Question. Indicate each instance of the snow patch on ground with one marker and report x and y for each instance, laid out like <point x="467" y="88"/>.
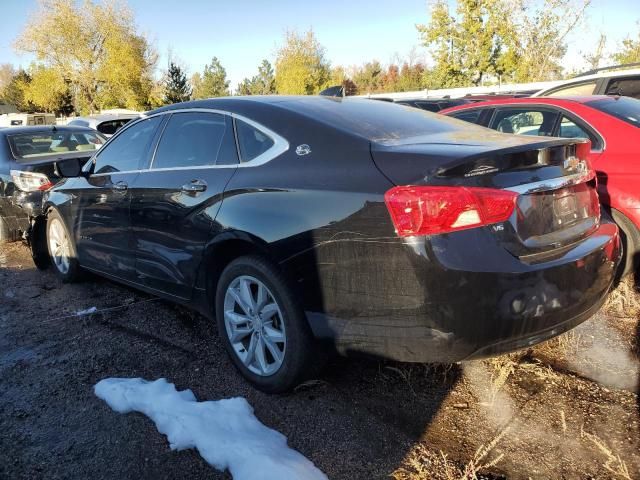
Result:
<point x="226" y="432"/>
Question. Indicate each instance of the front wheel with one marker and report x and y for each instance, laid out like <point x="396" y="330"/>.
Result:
<point x="262" y="326"/>
<point x="62" y="251"/>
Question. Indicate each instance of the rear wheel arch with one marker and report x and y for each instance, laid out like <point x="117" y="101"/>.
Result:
<point x="222" y="252"/>
<point x="630" y="235"/>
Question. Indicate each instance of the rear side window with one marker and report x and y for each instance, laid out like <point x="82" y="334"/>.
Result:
<point x="624" y="108"/>
<point x="525" y="122"/>
<point x="129" y="149"/>
<point x="629" y="87"/>
<point x="112" y="126"/>
<point x="251" y="141"/>
<point x="195" y="139"/>
<point x="580" y="89"/>
<point x="471" y="116"/>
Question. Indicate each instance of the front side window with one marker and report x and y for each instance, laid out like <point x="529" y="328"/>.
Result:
<point x="252" y="142"/>
<point x="195" y="139"/>
<point x="54" y="142"/>
<point x="581" y="89"/>
<point x="525" y="122"/>
<point x="628" y="87"/>
<point x="129" y="149"/>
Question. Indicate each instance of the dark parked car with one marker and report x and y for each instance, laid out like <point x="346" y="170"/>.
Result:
<point x="364" y="225"/>
<point x="26" y="169"/>
<point x="433" y="104"/>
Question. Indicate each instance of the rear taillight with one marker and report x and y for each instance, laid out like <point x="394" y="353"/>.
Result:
<point x="423" y="210"/>
<point x="30" y="181"/>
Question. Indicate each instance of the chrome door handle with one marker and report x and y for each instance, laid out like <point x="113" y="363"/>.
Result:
<point x="194" y="186"/>
<point x="120" y="187"/>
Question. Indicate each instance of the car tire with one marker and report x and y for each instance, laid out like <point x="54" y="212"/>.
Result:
<point x="61" y="248"/>
<point x="275" y="320"/>
<point x="630" y="237"/>
<point x="38" y="244"/>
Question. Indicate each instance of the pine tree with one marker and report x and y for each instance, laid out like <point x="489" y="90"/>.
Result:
<point x="176" y="88"/>
<point x="213" y="81"/>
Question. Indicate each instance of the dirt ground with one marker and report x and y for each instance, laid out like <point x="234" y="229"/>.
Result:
<point x="566" y="409"/>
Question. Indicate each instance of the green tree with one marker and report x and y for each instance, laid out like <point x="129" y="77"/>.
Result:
<point x="262" y="84"/>
<point x="465" y="46"/>
<point x="14" y="92"/>
<point x="629" y="51"/>
<point x="48" y="91"/>
<point x="96" y="47"/>
<point x="369" y="78"/>
<point x="176" y="85"/>
<point x="212" y="83"/>
<point x="301" y="66"/>
<point x="7" y="72"/>
<point x="595" y="57"/>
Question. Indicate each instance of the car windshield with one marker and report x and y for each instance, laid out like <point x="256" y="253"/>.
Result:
<point x="624" y="108"/>
<point x="41" y="144"/>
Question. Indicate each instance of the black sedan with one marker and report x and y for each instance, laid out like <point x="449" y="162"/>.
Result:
<point x="366" y="226"/>
<point x="27" y="156"/>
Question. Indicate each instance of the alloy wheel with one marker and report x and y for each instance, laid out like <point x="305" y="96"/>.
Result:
<point x="254" y="325"/>
<point x="59" y="246"/>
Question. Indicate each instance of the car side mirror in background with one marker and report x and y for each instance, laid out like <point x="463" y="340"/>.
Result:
<point x="69" y="168"/>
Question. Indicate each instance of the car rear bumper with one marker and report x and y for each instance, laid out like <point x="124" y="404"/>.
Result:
<point x="456" y="313"/>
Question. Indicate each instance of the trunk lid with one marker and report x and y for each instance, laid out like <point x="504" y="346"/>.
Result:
<point x="557" y="203"/>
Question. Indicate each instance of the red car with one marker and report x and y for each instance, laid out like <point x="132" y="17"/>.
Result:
<point x="613" y="126"/>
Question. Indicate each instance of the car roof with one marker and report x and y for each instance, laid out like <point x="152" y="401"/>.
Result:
<point x="559" y="101"/>
<point x="106" y="116"/>
<point x="45" y="129"/>
<point x="594" y="76"/>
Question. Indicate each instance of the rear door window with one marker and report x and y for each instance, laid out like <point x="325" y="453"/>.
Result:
<point x="129" y="150"/>
<point x="568" y="129"/>
<point x="251" y="141"/>
<point x="196" y="139"/>
<point x="471" y="116"/>
<point x="628" y="87"/>
<point x="529" y="121"/>
<point x="586" y="88"/>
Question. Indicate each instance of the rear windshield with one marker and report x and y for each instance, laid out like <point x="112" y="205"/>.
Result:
<point x="41" y="144"/>
<point x="381" y="122"/>
<point x="624" y="108"/>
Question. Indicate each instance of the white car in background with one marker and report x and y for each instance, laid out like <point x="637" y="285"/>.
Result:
<point x="603" y="81"/>
<point x="105" y="123"/>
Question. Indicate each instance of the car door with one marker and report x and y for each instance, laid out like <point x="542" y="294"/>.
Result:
<point x="176" y="199"/>
<point x="103" y="235"/>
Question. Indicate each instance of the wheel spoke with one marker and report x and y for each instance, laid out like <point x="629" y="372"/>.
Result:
<point x="275" y="352"/>
<point x="268" y="311"/>
<point x="261" y="355"/>
<point x="273" y="334"/>
<point x="236" y="296"/>
<point x="240" y="333"/>
<point x="245" y="294"/>
<point x="235" y="318"/>
<point x="251" y="351"/>
<point x="262" y="297"/>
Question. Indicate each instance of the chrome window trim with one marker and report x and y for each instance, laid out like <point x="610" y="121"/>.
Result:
<point x="554" y="183"/>
<point x="280" y="144"/>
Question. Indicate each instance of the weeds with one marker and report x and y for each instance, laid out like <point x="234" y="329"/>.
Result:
<point x="624" y="301"/>
<point x="613" y="464"/>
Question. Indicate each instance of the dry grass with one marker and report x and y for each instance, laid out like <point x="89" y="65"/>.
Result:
<point x="624" y="301"/>
<point x="422" y="463"/>
<point x="613" y="463"/>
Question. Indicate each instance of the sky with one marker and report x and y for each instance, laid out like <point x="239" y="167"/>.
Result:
<point x="243" y="32"/>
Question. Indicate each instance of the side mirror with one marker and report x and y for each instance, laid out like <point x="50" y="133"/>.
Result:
<point x="69" y="168"/>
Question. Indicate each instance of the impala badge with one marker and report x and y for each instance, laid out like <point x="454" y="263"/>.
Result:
<point x="303" y="149"/>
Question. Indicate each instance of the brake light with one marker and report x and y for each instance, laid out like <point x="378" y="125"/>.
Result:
<point x="30" y="181"/>
<point x="423" y="210"/>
